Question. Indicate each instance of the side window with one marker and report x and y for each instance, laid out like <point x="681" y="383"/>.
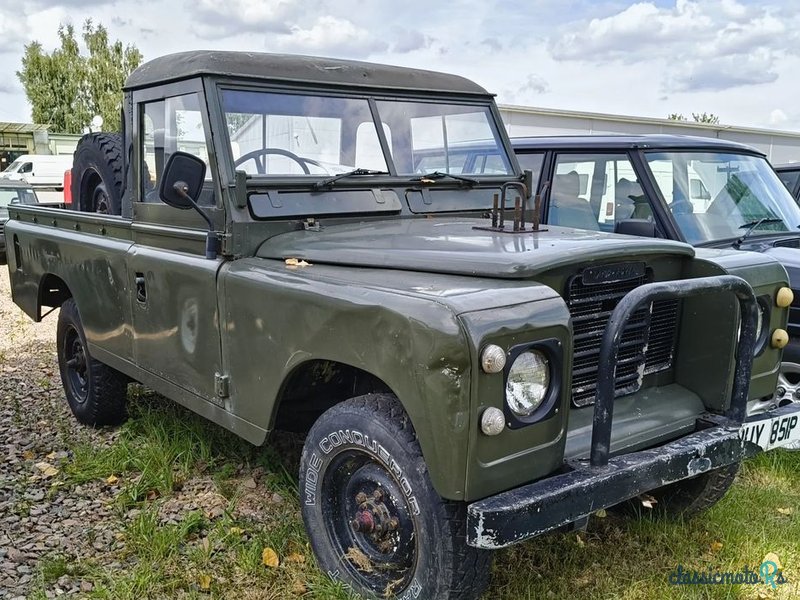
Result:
<point x="26" y="168"/>
<point x="595" y="191"/>
<point x="170" y="125"/>
<point x="790" y="179"/>
<point x="532" y="161"/>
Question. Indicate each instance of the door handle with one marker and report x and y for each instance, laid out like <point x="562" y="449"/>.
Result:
<point x="141" y="290"/>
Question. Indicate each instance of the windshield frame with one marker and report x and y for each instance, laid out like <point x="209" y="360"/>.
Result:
<point x="664" y="207"/>
<point x="225" y="154"/>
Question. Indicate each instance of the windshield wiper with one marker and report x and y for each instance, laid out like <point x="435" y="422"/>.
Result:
<point x="434" y="175"/>
<point x="354" y="172"/>
<point x="751" y="227"/>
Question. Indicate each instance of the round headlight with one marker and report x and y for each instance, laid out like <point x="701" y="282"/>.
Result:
<point x="760" y="322"/>
<point x="528" y="382"/>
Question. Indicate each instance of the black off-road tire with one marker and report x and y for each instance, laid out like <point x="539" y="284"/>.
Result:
<point x="98" y="173"/>
<point x="96" y="393"/>
<point x="368" y="446"/>
<point x="691" y="497"/>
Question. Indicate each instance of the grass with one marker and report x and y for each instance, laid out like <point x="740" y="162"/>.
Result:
<point x="163" y="448"/>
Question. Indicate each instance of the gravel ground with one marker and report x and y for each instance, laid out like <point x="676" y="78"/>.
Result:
<point x="37" y="516"/>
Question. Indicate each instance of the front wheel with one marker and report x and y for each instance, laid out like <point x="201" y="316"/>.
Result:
<point x="374" y="520"/>
<point x="691" y="497"/>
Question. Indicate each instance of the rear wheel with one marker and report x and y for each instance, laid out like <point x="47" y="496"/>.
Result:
<point x="97" y="173"/>
<point x="96" y="393"/>
<point x="373" y="517"/>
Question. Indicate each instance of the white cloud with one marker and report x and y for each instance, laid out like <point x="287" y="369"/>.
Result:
<point x="777" y="117"/>
<point x="408" y="40"/>
<point x="237" y="16"/>
<point x="709" y="45"/>
<point x="329" y="35"/>
<point x="13" y="32"/>
<point x="724" y="72"/>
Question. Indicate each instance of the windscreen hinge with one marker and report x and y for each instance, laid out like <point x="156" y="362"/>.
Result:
<point x="311" y="224"/>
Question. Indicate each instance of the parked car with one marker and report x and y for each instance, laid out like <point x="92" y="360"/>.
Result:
<point x="708" y="192"/>
<point x="38" y="169"/>
<point x="12" y="192"/>
<point x="789" y="174"/>
<point x="465" y="381"/>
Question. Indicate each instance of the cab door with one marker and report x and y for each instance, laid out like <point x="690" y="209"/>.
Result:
<point x="174" y="287"/>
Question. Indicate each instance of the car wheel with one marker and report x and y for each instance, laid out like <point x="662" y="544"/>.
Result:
<point x="374" y="520"/>
<point x="689" y="497"/>
<point x="96" y="393"/>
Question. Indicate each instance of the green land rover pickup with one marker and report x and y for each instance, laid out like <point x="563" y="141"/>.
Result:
<point x="271" y="258"/>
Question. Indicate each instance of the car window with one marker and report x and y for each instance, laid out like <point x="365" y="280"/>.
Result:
<point x="595" y="192"/>
<point x="532" y="161"/>
<point x="789" y="179"/>
<point x="170" y="125"/>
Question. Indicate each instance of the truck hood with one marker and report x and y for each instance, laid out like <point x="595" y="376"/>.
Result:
<point x="453" y="246"/>
<point x="790" y="259"/>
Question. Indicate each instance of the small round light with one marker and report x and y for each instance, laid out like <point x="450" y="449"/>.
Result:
<point x="784" y="297"/>
<point x="493" y="359"/>
<point x="528" y="382"/>
<point x="779" y="338"/>
<point x="493" y="421"/>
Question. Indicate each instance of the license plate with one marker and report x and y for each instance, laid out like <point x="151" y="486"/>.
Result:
<point x="772" y="433"/>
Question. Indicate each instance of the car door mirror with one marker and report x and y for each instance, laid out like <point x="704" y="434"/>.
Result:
<point x="182" y="181"/>
<point x="638" y="227"/>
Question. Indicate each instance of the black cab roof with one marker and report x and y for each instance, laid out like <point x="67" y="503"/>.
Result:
<point x="626" y="142"/>
<point x="297" y="69"/>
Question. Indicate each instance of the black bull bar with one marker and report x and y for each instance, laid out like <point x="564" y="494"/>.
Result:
<point x="539" y="507"/>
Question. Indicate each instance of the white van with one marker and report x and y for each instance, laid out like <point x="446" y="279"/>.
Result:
<point x="42" y="169"/>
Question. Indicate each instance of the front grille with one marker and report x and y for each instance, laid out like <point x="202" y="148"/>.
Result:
<point x="647" y="345"/>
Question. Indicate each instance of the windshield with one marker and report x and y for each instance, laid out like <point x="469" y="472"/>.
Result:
<point x="281" y="134"/>
<point x="715" y="196"/>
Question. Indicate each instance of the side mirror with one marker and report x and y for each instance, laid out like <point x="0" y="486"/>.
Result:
<point x="182" y="181"/>
<point x="638" y="227"/>
<point x="14" y="200"/>
<point x="181" y="186"/>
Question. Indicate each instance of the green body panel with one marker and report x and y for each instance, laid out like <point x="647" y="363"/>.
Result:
<point x="451" y="245"/>
<point x="430" y="327"/>
<point x="398" y="300"/>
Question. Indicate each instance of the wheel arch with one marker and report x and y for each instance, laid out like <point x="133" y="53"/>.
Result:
<point x="53" y="292"/>
<point x="314" y="386"/>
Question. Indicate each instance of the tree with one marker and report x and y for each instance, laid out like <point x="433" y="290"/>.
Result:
<point x="709" y="118"/>
<point x="67" y="89"/>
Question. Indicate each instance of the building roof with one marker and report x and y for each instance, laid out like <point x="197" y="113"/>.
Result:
<point x="296" y="69"/>
<point x="652" y="141"/>
<point x="717" y="128"/>
<point x="22" y="127"/>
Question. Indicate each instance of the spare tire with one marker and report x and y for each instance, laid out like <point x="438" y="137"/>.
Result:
<point x="98" y="173"/>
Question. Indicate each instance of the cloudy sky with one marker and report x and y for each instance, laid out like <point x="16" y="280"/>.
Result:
<point x="736" y="58"/>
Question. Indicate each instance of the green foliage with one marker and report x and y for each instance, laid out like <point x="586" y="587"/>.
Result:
<point x="709" y="118"/>
<point x="66" y="88"/>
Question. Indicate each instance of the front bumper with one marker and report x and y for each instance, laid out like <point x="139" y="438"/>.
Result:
<point x="539" y="507"/>
<point x="600" y="481"/>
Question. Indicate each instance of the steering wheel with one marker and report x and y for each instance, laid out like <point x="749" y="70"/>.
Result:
<point x="261" y="167"/>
